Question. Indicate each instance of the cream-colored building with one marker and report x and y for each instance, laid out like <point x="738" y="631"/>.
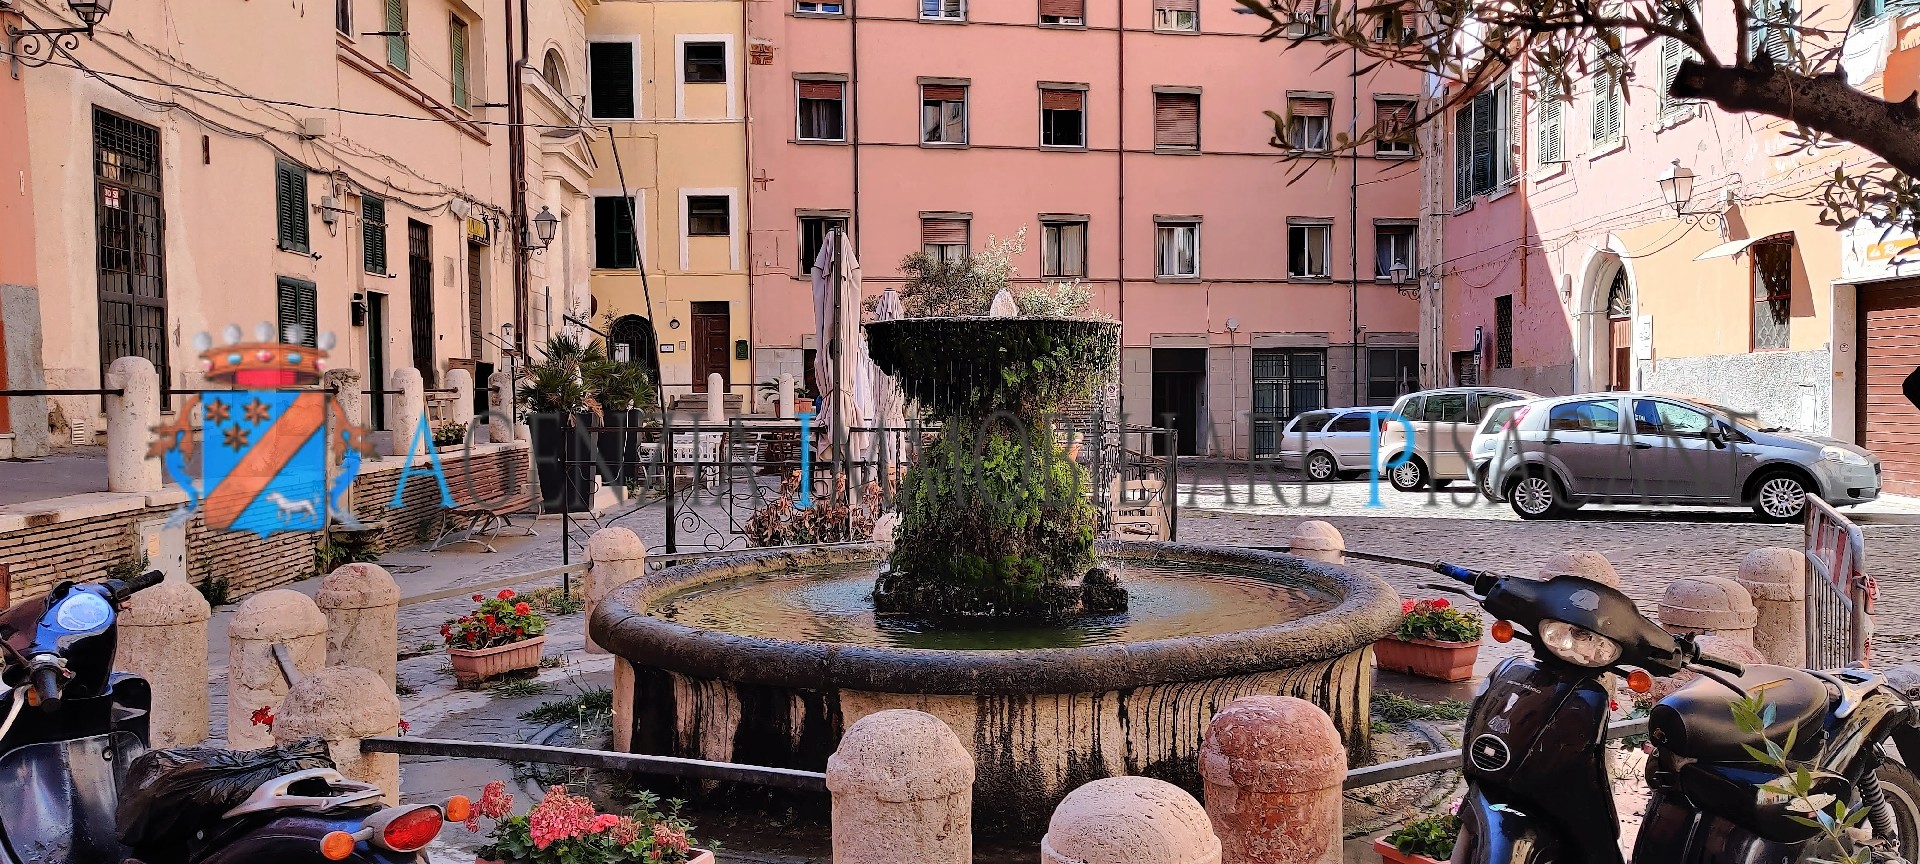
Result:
<point x="341" y="165"/>
<point x="665" y="88"/>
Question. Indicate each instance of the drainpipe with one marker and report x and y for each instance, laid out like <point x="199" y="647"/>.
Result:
<point x="1120" y="160"/>
<point x="746" y="194"/>
<point x="853" y="120"/>
<point x="516" y="155"/>
<point x="1353" y="214"/>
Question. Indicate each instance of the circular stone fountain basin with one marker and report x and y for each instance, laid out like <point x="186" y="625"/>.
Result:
<point x="764" y="658"/>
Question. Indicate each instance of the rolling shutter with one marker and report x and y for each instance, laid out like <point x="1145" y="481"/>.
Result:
<point x="1395" y="120"/>
<point x="1063" y="8"/>
<point x="1176" y="121"/>
<point x="290" y="199"/>
<point x="1886" y="422"/>
<point x="943" y="232"/>
<point x="1310" y="107"/>
<point x="821" y="90"/>
<point x="1061" y="100"/>
<point x="1176" y="5"/>
<point x="943" y="93"/>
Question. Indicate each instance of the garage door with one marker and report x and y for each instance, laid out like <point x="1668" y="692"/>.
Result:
<point x="1888" y="424"/>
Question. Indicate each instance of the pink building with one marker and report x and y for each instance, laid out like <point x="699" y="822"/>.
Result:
<point x="1129" y="139"/>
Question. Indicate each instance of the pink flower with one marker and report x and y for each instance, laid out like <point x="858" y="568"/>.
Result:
<point x="627" y="832"/>
<point x="1406" y="606"/>
<point x="669" y="838"/>
<point x="559" y="817"/>
<point x="477" y="598"/>
<point x="521" y="608"/>
<point x="495" y="803"/>
<point x="603" y="822"/>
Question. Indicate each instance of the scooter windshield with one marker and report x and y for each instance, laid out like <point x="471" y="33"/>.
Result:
<point x="60" y="796"/>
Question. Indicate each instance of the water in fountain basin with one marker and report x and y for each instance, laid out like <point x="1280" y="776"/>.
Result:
<point x="835" y="604"/>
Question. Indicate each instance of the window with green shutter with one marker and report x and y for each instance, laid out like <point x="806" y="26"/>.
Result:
<point x="457" y="49"/>
<point x="290" y="200"/>
<point x="1672" y="53"/>
<point x="1605" y="124"/>
<point x="1551" y="149"/>
<point x="610" y="78"/>
<point x="298" y="307"/>
<point x="397" y="47"/>
<point x="373" y="233"/>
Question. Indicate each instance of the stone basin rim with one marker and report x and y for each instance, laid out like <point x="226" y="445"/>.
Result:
<point x="1367" y="610"/>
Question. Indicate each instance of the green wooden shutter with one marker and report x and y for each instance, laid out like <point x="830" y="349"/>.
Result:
<point x="298" y="305"/>
<point x="1483" y="117"/>
<point x="610" y="77"/>
<point x="1551" y="149"/>
<point x="373" y="234"/>
<point x="457" y="36"/>
<point x="1606" y="105"/>
<point x="1463" y="154"/>
<point x="397" y="49"/>
<point x="290" y="196"/>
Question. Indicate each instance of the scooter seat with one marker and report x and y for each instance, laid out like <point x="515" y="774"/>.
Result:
<point x="1697" y="722"/>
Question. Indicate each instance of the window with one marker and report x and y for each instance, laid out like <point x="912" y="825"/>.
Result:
<point x="1312" y="421"/>
<point x="1770" y="30"/>
<point x="943" y="10"/>
<point x="1393" y="244"/>
<point x="945" y="237"/>
<point x="709" y="216"/>
<point x="1484" y="402"/>
<point x="1313" y="13"/>
<point x="290" y="205"/>
<point x="1362" y="423"/>
<point x="1772" y="295"/>
<point x="1176" y="121"/>
<point x="818" y="7"/>
<point x="1503" y="331"/>
<point x="610" y="77"/>
<point x="1606" y="102"/>
<point x="813" y="235"/>
<point x="130" y="243"/>
<point x="1672" y="53"/>
<point x="943" y="113"/>
<point x="613" y="235"/>
<point x="1064" y="12"/>
<point x="1309" y="246"/>
<point x="1063" y="248"/>
<point x="1666" y="418"/>
<point x="1596" y="416"/>
<point x="297" y="309"/>
<point x="1178" y="250"/>
<point x="343" y="16"/>
<point x="704" y="62"/>
<point x="373" y="234"/>
<point x="823" y="110"/>
<point x="1393" y="127"/>
<point x="1391" y="26"/>
<point x="1063" y="118"/>
<point x="554" y="71"/>
<point x="398" y="48"/>
<point x="1550" y="123"/>
<point x="1872" y="11"/>
<point x="457" y="61"/>
<point x="1392" y="373"/>
<point x="1442" y="408"/>
<point x="1287" y="382"/>
<point x="1482" y="157"/>
<point x="1307" y="122"/>
<point x="1177" y="15"/>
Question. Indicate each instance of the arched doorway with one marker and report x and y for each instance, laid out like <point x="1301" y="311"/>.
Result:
<point x="632" y="340"/>
<point x="1619" y="332"/>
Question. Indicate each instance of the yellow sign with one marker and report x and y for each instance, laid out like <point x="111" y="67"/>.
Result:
<point x="479" y="231"/>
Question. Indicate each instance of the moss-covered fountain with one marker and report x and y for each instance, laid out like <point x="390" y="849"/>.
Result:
<point x="1058" y="659"/>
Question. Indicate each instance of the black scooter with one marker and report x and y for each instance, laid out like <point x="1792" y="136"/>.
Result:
<point x="71" y="730"/>
<point x="1535" y="758"/>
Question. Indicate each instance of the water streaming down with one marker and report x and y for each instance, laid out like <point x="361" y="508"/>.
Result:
<point x="1167" y="600"/>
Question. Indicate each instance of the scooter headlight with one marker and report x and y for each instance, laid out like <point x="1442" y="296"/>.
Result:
<point x="1578" y="645"/>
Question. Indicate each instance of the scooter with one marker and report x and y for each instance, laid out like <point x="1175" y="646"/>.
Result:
<point x="71" y="730"/>
<point x="1535" y="754"/>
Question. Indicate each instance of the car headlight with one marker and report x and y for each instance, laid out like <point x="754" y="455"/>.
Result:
<point x="1844" y="456"/>
<point x="1578" y="645"/>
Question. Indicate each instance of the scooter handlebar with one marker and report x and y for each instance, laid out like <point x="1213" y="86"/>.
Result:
<point x="1732" y="667"/>
<point x="46" y="685"/>
<point x="138" y="584"/>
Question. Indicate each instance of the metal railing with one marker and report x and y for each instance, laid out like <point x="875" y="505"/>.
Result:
<point x="1839" y="591"/>
<point x="638" y="763"/>
<point x="1450" y="760"/>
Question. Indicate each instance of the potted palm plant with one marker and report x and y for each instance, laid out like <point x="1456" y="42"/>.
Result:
<point x="621" y="389"/>
<point x="501" y="635"/>
<point x="555" y="395"/>
<point x="1434" y="640"/>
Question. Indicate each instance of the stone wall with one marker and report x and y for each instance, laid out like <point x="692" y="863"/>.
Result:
<point x="1784" y="388"/>
<point x="484" y="472"/>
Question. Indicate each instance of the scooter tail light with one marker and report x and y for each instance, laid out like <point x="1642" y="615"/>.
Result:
<point x="459" y="808"/>
<point x="337" y="845"/>
<point x="1502" y="631"/>
<point x="411" y="831"/>
<point x="1639" y="681"/>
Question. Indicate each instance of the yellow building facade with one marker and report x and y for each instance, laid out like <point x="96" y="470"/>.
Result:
<point x="665" y="88"/>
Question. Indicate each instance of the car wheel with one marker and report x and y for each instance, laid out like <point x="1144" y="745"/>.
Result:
<point x="1780" y="497"/>
<point x="1536" y="495"/>
<point x="1321" y="467"/>
<point x="1409" y="476"/>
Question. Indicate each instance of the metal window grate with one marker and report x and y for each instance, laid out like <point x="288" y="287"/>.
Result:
<point x="129" y="219"/>
<point x="1285" y="383"/>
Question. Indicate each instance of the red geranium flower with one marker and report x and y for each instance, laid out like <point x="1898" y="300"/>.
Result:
<point x="446" y="630"/>
<point x="1406" y="606"/>
<point x="478" y="599"/>
<point x="263" y="716"/>
<point x="1442" y="603"/>
<point x="506" y="594"/>
<point x="522" y="609"/>
<point x="487" y="618"/>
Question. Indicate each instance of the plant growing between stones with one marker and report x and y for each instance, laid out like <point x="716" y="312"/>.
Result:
<point x="335" y="550"/>
<point x="216" y="589"/>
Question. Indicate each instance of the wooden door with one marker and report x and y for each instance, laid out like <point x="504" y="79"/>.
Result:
<point x="1620" y="339"/>
<point x="712" y="335"/>
<point x="420" y="299"/>
<point x="1179" y="380"/>
<point x="377" y="355"/>
<point x="476" y="262"/>
<point x="1886" y="422"/>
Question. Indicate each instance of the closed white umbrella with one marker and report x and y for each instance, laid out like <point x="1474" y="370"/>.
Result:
<point x="836" y="307"/>
<point x="888" y="405"/>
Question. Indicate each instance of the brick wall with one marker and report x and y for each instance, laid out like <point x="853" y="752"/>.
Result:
<point x="491" y="475"/>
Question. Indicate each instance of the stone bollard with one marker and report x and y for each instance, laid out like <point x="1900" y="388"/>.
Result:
<point x="1272" y="767"/>
<point x="1708" y="604"/>
<point x="163" y="638"/>
<point x="254" y="679"/>
<point x="362" y="605"/>
<point x="343" y="386"/>
<point x="615" y="556"/>
<point x="785" y="407"/>
<point x="460" y="381"/>
<point x="1582" y="563"/>
<point x="499" y="408"/>
<point x="716" y="400"/>
<point x="131" y="417"/>
<point x="409" y="406"/>
<point x="1318" y="541"/>
<point x="344" y="704"/>
<point x="902" y="791"/>
<point x="1776" y="579"/>
<point x="1128" y="820"/>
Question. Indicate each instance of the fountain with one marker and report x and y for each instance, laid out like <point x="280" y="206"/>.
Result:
<point x="1058" y="659"/>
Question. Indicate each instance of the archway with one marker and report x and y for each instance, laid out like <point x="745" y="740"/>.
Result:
<point x="1604" y="323"/>
<point x="632" y="340"/>
<point x="1619" y="352"/>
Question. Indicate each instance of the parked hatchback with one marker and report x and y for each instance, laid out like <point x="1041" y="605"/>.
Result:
<point x="1652" y="448"/>
<point x="1328" y="444"/>
<point x="1444" y="422"/>
<point x="1487" y="442"/>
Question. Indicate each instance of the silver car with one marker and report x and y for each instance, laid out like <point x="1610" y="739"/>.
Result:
<point x="1443" y="423"/>
<point x="1329" y="444"/>
<point x="1653" y="448"/>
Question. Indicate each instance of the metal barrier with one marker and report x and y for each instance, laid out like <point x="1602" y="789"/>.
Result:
<point x="638" y="763"/>
<point x="1449" y="760"/>
<point x="1839" y="591"/>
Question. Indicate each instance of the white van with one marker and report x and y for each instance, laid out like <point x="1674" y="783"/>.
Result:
<point x="1444" y="422"/>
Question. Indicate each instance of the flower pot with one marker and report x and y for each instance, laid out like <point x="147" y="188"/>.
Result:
<point x="1443" y="661"/>
<point x="472" y="666"/>
<point x="699" y="856"/>
<point x="1390" y="855"/>
<point x="803" y="406"/>
<point x="564" y="461"/>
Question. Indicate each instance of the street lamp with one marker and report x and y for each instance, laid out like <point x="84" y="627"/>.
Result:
<point x="544" y="226"/>
<point x="36" y="47"/>
<point x="1677" y="187"/>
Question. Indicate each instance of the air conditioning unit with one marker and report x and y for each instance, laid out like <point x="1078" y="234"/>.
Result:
<point x="313" y="127"/>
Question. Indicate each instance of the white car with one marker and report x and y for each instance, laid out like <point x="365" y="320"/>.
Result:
<point x="1444" y="423"/>
<point x="1329" y="444"/>
<point x="1495" y="429"/>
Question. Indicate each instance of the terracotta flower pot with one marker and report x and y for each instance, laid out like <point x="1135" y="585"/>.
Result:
<point x="472" y="666"/>
<point x="700" y="856"/>
<point x="803" y="406"/>
<point x="1390" y="855"/>
<point x="1444" y="661"/>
